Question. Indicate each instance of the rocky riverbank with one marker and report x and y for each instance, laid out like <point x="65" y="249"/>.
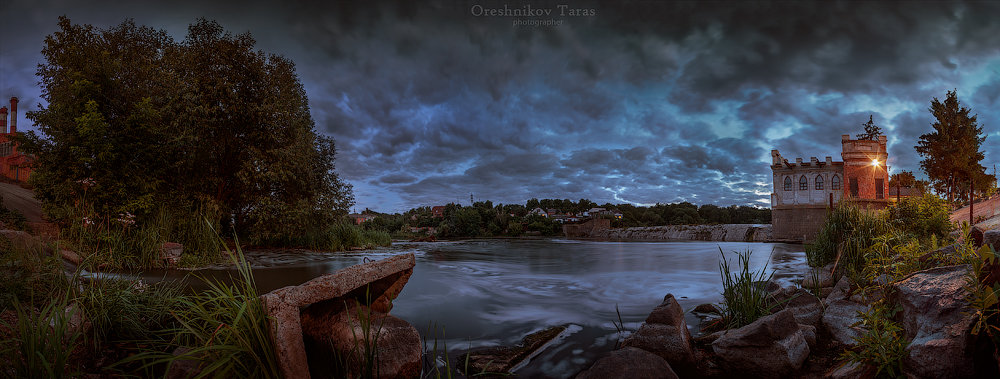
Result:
<point x="721" y="232"/>
<point x="806" y="335"/>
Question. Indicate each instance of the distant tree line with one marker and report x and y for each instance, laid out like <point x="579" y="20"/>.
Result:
<point x="485" y="219"/>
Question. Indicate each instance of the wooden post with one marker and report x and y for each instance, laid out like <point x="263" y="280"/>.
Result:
<point x="972" y="201"/>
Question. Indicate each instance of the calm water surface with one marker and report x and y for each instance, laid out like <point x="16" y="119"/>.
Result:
<point x="493" y="292"/>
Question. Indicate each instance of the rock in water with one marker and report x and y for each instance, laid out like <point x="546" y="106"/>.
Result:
<point x="629" y="362"/>
<point x="361" y="339"/>
<point x="504" y="359"/>
<point x="935" y="316"/>
<point x="771" y="347"/>
<point x="665" y="333"/>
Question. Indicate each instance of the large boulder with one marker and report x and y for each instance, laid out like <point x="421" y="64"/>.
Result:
<point x="665" y="333"/>
<point x="819" y="277"/>
<point x="806" y="308"/>
<point x="840" y="318"/>
<point x="840" y="291"/>
<point x="359" y="338"/>
<point x="629" y="362"/>
<point x="771" y="347"/>
<point x="992" y="238"/>
<point x="372" y="284"/>
<point x="935" y="316"/>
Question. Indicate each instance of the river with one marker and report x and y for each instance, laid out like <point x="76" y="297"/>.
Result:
<point x="494" y="292"/>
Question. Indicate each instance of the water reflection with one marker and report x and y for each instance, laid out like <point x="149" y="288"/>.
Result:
<point x="489" y="292"/>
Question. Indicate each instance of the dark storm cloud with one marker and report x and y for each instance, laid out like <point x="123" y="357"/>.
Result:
<point x="643" y="102"/>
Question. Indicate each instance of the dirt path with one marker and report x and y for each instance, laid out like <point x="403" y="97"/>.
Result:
<point x="989" y="209"/>
<point x="22" y="200"/>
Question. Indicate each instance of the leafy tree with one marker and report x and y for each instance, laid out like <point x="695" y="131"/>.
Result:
<point x="951" y="153"/>
<point x="872" y="131"/>
<point x="207" y="124"/>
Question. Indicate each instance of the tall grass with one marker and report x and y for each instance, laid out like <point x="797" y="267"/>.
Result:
<point x="124" y="310"/>
<point x="26" y="273"/>
<point x="744" y="296"/>
<point x="336" y="237"/>
<point x="362" y="359"/>
<point x="41" y="342"/>
<point x="227" y="328"/>
<point x="123" y="242"/>
<point x="848" y="231"/>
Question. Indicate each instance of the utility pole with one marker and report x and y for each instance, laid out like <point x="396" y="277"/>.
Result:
<point x="470" y="199"/>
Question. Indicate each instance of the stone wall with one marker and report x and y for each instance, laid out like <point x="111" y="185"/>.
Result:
<point x="797" y="223"/>
<point x="724" y="232"/>
<point x="587" y="228"/>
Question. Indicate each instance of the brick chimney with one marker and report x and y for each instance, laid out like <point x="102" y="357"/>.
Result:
<point x="13" y="115"/>
<point x="3" y="118"/>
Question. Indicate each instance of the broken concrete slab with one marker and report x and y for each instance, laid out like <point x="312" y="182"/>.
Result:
<point x="374" y="284"/>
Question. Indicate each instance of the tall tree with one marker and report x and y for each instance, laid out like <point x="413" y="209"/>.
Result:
<point x="207" y="123"/>
<point x="951" y="152"/>
<point x="872" y="131"/>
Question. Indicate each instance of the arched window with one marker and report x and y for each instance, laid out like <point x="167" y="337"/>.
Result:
<point x="835" y="183"/>
<point x="803" y="183"/>
<point x="788" y="184"/>
<point x="819" y="182"/>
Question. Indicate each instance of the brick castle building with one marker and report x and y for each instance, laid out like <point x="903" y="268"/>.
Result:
<point x="13" y="164"/>
<point x="804" y="191"/>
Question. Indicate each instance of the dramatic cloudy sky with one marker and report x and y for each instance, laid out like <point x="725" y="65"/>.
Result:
<point x="641" y="102"/>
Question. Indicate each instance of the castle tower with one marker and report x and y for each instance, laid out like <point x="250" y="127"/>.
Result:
<point x="865" y="171"/>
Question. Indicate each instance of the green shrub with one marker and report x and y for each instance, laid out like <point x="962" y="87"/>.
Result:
<point x="922" y="217"/>
<point x="983" y="293"/>
<point x="882" y="345"/>
<point x="744" y="296"/>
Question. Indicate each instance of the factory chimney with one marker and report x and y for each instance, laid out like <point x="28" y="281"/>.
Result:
<point x="3" y="118"/>
<point x="13" y="115"/>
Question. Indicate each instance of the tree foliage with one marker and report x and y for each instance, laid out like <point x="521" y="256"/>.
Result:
<point x="951" y="152"/>
<point x="872" y="131"/>
<point x="207" y="123"/>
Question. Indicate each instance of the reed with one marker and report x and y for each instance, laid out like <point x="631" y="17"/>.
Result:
<point x="224" y="329"/>
<point x="41" y="342"/>
<point x="744" y="296"/>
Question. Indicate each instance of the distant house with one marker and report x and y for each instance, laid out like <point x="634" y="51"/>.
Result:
<point x="604" y="213"/>
<point x="361" y="217"/>
<point x="437" y="211"/>
<point x="538" y="211"/>
<point x="551" y="212"/>
<point x="904" y="192"/>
